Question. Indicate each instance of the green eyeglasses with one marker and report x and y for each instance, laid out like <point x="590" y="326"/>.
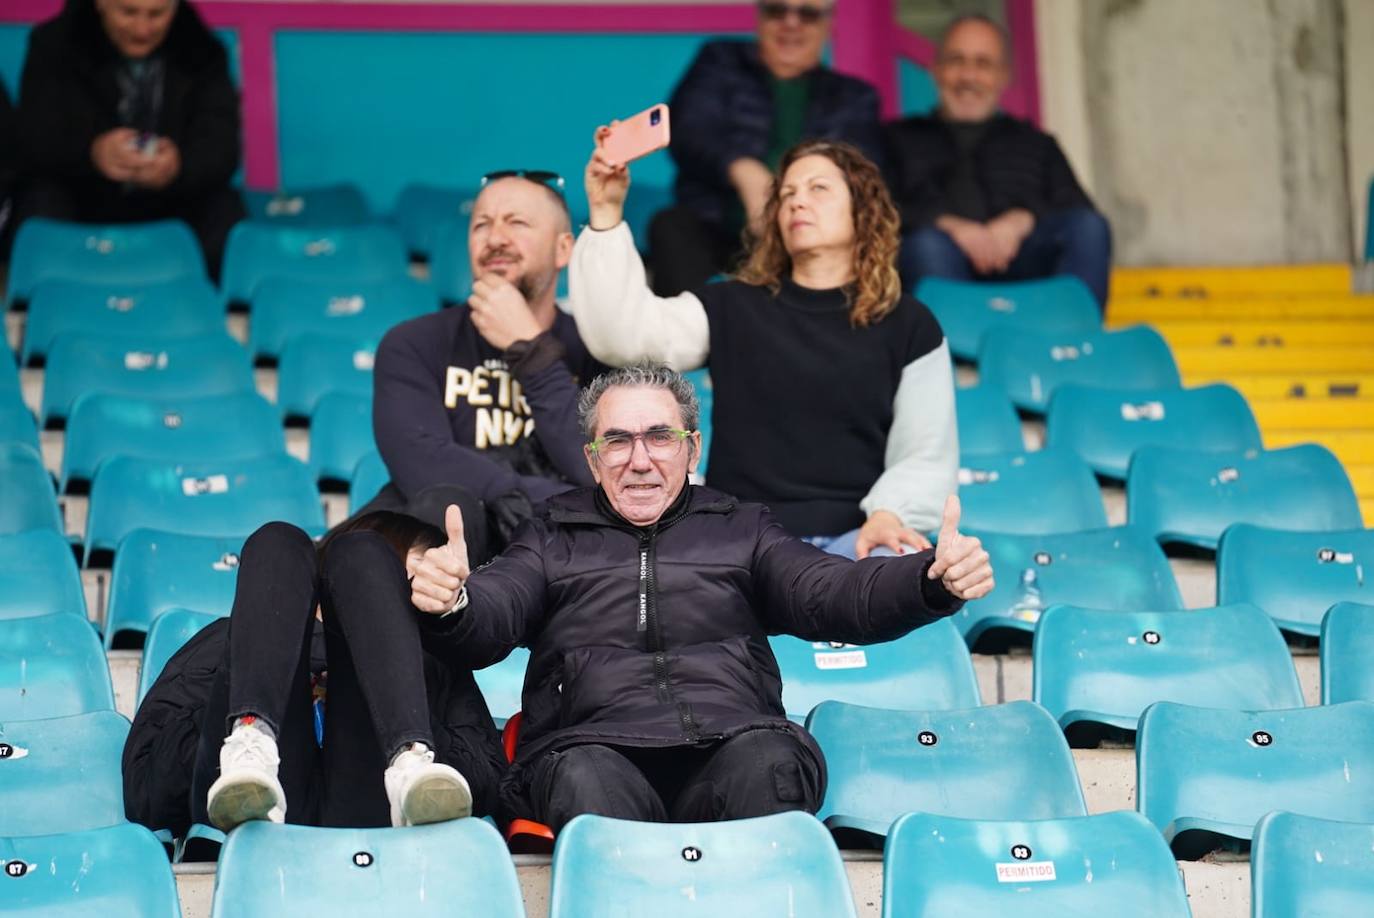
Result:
<point x="615" y="449"/>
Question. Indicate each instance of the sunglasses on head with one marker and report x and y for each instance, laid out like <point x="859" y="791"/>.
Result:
<point x="543" y="177"/>
<point x="808" y="14"/>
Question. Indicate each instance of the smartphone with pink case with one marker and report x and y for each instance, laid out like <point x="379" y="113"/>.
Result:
<point x="637" y="136"/>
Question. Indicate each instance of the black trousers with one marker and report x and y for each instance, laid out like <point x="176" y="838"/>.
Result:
<point x="756" y="773"/>
<point x="686" y="251"/>
<point x="380" y="681"/>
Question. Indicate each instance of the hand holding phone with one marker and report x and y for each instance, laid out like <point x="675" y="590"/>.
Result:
<point x="636" y="136"/>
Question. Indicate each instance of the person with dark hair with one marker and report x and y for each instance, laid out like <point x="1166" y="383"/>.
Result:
<point x="315" y="702"/>
<point x="834" y="393"/>
<point x="651" y="692"/>
<point x="127" y="113"/>
<point x="984" y="195"/>
<point x="741" y="105"/>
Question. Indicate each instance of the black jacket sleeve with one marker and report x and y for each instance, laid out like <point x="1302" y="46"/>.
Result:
<point x="552" y="393"/>
<point x="913" y="164"/>
<point x="1061" y="189"/>
<point x="210" y="141"/>
<point x="706" y="140"/>
<point x="56" y="126"/>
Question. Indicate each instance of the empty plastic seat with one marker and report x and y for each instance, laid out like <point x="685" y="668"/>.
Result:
<point x="1096" y="667"/>
<point x="987" y="422"/>
<point x="61" y="774"/>
<point x="51" y="666"/>
<point x="1318" y="868"/>
<point x="201" y="498"/>
<point x="313" y="365"/>
<point x="186" y="307"/>
<point x="1110" y="864"/>
<point x="450" y="270"/>
<point x="928" y="669"/>
<point x="116" y="870"/>
<point x="340" y="434"/>
<point x="460" y="867"/>
<point x="1106" y="426"/>
<point x="501" y="684"/>
<point x="1295" y="576"/>
<point x="706" y="399"/>
<point x="1348" y="653"/>
<point x="969" y="309"/>
<point x="1030" y="366"/>
<point x="39" y="576"/>
<point x="368" y="479"/>
<point x="284" y="307"/>
<point x="229" y="427"/>
<point x="785" y="864"/>
<point x="1004" y="761"/>
<point x="1182" y="496"/>
<point x="422" y="208"/>
<point x="169" y="633"/>
<point x="1117" y="568"/>
<point x="16" y="420"/>
<point x="1051" y="490"/>
<point x="142" y="368"/>
<point x="1215" y="772"/>
<point x="155" y="571"/>
<point x="126" y="253"/>
<point x="27" y="498"/>
<point x="255" y="251"/>
<point x="324" y="205"/>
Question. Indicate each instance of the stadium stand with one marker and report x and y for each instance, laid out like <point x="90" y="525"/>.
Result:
<point x="1347" y="653"/>
<point x="16" y="420"/>
<point x="284" y="307"/>
<point x="156" y="571"/>
<point x="313" y="365"/>
<point x="987" y="422"/>
<point x="61" y="774"/>
<point x="256" y="251"/>
<point x="1047" y="491"/>
<point x="51" y="666"/>
<point x="967" y="310"/>
<point x="420" y="211"/>
<point x="1307" y="866"/>
<point x="29" y="501"/>
<point x="369" y="476"/>
<point x="340" y="434"/>
<point x="118" y="869"/>
<point x="170" y="630"/>
<point x="38" y="575"/>
<point x="324" y="206"/>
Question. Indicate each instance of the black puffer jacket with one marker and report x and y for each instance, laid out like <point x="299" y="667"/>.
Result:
<point x="658" y="636"/>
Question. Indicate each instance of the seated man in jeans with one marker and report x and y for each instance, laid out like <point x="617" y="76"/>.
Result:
<point x="984" y="195"/>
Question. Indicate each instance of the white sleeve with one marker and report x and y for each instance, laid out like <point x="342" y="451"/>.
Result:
<point x="922" y="461"/>
<point x="619" y="318"/>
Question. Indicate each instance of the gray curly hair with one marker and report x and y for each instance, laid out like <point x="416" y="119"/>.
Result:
<point x="645" y="375"/>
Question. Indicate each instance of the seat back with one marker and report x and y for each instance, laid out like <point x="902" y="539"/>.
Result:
<point x="284" y="307"/>
<point x="51" y="666"/>
<point x="929" y="669"/>
<point x="156" y="571"/>
<point x="61" y="774"/>
<point x="1183" y="496"/>
<point x="422" y="208"/>
<point x="1347" y="651"/>
<point x="987" y="422"/>
<point x="340" y="434"/>
<point x="967" y="310"/>
<point x="116" y="870"/>
<point x="324" y="205"/>
<point x="370" y="475"/>
<point x="1295" y="576"/>
<point x="1108" y="667"/>
<point x="27" y="498"/>
<point x="450" y="270"/>
<point x="313" y="365"/>
<point x="1050" y="490"/>
<point x="1106" y="426"/>
<point x="39" y="576"/>
<point x="169" y="633"/>
<point x="16" y="420"/>
<point x="1305" y="866"/>
<point x="502" y="683"/>
<point x="258" y="250"/>
<point x="1004" y="761"/>
<point x="784" y="864"/>
<point x="1112" y="863"/>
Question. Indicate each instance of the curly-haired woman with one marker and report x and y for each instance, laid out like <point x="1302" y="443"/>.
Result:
<point x="834" y="395"/>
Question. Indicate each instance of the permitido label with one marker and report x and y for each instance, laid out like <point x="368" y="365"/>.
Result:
<point x="848" y="659"/>
<point x="1026" y="872"/>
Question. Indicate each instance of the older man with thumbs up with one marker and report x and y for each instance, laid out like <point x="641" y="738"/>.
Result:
<point x="646" y="603"/>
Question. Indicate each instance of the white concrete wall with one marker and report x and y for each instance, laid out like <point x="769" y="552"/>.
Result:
<point x="1359" y="107"/>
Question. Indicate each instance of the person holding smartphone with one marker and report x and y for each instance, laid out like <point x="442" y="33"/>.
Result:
<point x="834" y="392"/>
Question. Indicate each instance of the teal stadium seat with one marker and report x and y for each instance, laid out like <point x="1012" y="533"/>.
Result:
<point x="1117" y="568"/>
<point x="113" y="871"/>
<point x="201" y="498"/>
<point x="16" y="420"/>
<point x="1110" y="864"/>
<point x="1003" y="761"/>
<point x="340" y="434"/>
<point x="502" y="684"/>
<point x="369" y="477"/>
<point x="186" y="307"/>
<point x="1051" y="490"/>
<point x="169" y="632"/>
<point x="27" y="498"/>
<point x="141" y="368"/>
<point x="51" y="666"/>
<point x="314" y="364"/>
<point x="706" y="399"/>
<point x="987" y="422"/>
<point x="39" y="576"/>
<point x="230" y="427"/>
<point x="323" y="205"/>
<point x="1206" y="775"/>
<point x="784" y="864"/>
<point x="967" y="310"/>
<point x="1316" y="868"/>
<point x="449" y="868"/>
<point x="61" y="774"/>
<point x="255" y="251"/>
<point x="421" y="209"/>
<point x="1293" y="575"/>
<point x="1107" y="426"/>
<point x="928" y="669"/>
<point x="1105" y="668"/>
<point x="1347" y="651"/>
<point x="1181" y="496"/>
<point x="450" y="270"/>
<point x="156" y="571"/>
<point x="284" y="307"/>
<point x="126" y="253"/>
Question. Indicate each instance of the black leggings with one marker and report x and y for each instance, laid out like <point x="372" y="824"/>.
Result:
<point x="381" y="684"/>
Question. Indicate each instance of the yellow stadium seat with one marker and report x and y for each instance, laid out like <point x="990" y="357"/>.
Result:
<point x="1127" y="310"/>
<point x="1214" y="281"/>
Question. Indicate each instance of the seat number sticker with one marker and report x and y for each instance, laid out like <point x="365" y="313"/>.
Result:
<point x="214" y="484"/>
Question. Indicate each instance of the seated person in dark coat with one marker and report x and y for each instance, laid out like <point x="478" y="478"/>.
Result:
<point x="127" y="113"/>
<point x="738" y="109"/>
<point x="651" y="691"/>
<point x="984" y="195"/>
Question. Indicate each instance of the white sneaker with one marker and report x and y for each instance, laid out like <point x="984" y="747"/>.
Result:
<point x="247" y="787"/>
<point x="422" y="791"/>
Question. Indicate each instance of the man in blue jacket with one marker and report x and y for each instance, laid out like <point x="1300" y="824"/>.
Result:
<point x="741" y="105"/>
